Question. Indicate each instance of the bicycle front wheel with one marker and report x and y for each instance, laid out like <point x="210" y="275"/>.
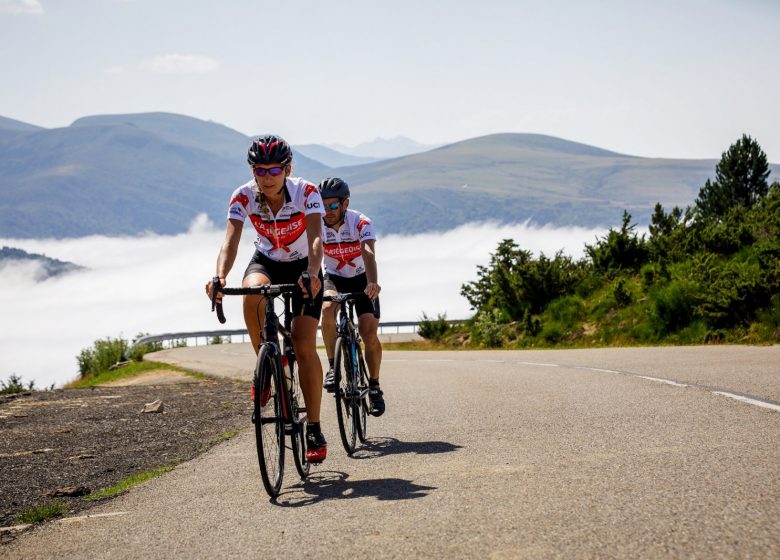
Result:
<point x="298" y="435"/>
<point x="361" y="403"/>
<point x="269" y="421"/>
<point x="342" y="367"/>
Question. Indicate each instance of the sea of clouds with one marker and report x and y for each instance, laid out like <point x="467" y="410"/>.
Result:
<point x="155" y="284"/>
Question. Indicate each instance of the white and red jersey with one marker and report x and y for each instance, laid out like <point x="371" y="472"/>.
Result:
<point x="280" y="237"/>
<point x="343" y="255"/>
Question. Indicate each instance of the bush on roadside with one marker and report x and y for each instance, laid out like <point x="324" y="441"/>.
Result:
<point x="488" y="329"/>
<point x="101" y="356"/>
<point x="136" y="352"/>
<point x="15" y="385"/>
<point x="433" y="329"/>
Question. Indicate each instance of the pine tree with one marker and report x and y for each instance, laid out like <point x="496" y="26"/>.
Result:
<point x="740" y="180"/>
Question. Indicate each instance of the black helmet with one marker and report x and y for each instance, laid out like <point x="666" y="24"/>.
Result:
<point x="269" y="149"/>
<point x="334" y="187"/>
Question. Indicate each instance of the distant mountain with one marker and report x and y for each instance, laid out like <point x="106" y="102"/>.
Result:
<point x="516" y="177"/>
<point x="127" y="174"/>
<point x="11" y="124"/>
<point x="382" y="148"/>
<point x="208" y="136"/>
<point x="121" y="174"/>
<point x="48" y="267"/>
<point x="332" y="158"/>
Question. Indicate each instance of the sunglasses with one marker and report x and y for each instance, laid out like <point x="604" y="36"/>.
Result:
<point x="272" y="171"/>
<point x="333" y="205"/>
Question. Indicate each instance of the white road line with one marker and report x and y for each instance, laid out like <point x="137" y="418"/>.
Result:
<point x="660" y="380"/>
<point x="748" y="400"/>
<point x="442" y="360"/>
<point x="598" y="369"/>
<point x="94" y="516"/>
<point x="538" y="364"/>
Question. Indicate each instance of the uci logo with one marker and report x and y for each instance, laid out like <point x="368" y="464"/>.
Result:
<point x="311" y="205"/>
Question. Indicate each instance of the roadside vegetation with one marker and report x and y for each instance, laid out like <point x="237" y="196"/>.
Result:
<point x="706" y="273"/>
<point x="126" y="483"/>
<point x="111" y="359"/>
<point x="37" y="514"/>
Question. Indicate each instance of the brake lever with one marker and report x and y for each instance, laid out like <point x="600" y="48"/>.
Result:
<point x="216" y="286"/>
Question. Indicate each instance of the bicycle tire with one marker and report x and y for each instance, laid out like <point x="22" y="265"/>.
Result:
<point x="269" y="422"/>
<point x="298" y="435"/>
<point x="342" y="368"/>
<point x="362" y="405"/>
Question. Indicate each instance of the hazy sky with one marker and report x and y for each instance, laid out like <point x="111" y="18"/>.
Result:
<point x="672" y="78"/>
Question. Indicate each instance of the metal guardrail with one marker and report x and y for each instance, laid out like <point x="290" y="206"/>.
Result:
<point x="184" y="338"/>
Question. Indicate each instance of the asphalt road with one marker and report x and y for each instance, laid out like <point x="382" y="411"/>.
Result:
<point x="627" y="453"/>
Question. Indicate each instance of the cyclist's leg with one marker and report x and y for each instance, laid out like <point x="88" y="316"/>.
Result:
<point x="304" y="335"/>
<point x="367" y="325"/>
<point x="328" y="322"/>
<point x="254" y="306"/>
<point x="329" y="310"/>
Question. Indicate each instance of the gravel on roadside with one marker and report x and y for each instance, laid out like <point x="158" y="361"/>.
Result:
<point x="90" y="439"/>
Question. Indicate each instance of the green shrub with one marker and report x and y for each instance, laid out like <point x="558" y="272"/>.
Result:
<point x="101" y="356"/>
<point x="619" y="250"/>
<point x="516" y="282"/>
<point x="673" y="305"/>
<point x="553" y="332"/>
<point x="621" y="294"/>
<point x="568" y="311"/>
<point x="433" y="329"/>
<point x="137" y="351"/>
<point x="15" y="385"/>
<point x="732" y="290"/>
<point x="770" y="315"/>
<point x="487" y="328"/>
<point x="531" y="324"/>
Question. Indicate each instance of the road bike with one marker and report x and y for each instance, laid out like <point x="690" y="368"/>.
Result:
<point x="351" y="377"/>
<point x="276" y="391"/>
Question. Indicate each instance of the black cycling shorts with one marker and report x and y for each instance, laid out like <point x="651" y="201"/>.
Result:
<point x="287" y="273"/>
<point x="350" y="285"/>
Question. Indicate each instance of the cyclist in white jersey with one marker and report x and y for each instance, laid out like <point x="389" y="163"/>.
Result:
<point x="350" y="266"/>
<point x="287" y="215"/>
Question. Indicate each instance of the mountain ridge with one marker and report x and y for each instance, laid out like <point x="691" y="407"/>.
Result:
<point x="127" y="174"/>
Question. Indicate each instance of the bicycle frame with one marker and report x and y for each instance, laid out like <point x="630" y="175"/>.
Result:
<point x="271" y="331"/>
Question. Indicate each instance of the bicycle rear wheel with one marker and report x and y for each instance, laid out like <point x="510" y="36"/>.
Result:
<point x="342" y="367"/>
<point x="269" y="421"/>
<point x="361" y="404"/>
<point x="298" y="436"/>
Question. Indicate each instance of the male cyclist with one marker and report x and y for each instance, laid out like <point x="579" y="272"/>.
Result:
<point x="350" y="266"/>
<point x="286" y="212"/>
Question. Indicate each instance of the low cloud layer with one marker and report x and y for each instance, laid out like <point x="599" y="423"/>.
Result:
<point x="155" y="284"/>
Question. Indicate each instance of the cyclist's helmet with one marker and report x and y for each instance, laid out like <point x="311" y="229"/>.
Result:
<point x="269" y="149"/>
<point x="334" y="187"/>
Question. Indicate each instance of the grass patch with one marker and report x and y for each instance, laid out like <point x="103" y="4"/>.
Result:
<point x="130" y="370"/>
<point x="126" y="483"/>
<point x="36" y="514"/>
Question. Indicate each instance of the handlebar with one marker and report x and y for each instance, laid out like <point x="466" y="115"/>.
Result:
<point x="353" y="296"/>
<point x="267" y="290"/>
